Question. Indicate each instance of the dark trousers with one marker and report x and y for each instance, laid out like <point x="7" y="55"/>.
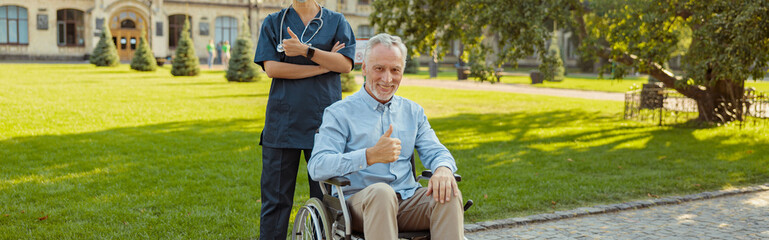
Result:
<point x="279" y="169"/>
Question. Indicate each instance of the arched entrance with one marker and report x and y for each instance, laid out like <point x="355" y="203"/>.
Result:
<point x="126" y="26"/>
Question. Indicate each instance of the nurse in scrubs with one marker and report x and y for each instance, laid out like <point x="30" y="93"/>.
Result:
<point x="303" y="48"/>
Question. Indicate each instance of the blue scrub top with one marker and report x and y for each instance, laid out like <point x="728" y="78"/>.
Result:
<point x="295" y="106"/>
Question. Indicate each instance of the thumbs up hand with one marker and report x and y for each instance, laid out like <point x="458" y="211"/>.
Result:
<point x="386" y="150"/>
<point x="293" y="46"/>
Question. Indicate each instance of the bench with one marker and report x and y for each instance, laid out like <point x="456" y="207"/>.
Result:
<point x="464" y="72"/>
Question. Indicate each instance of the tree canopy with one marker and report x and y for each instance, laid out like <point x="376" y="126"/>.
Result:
<point x="723" y="42"/>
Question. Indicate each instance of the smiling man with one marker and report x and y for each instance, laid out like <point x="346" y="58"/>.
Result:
<point x="369" y="138"/>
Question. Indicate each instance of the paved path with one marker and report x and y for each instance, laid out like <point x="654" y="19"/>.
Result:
<point x="514" y="88"/>
<point x="742" y="216"/>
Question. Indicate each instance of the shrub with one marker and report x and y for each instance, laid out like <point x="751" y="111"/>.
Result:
<point x="242" y="67"/>
<point x="105" y="52"/>
<point x="185" y="61"/>
<point x="144" y="59"/>
<point x="348" y="82"/>
<point x="552" y="69"/>
<point x="412" y="65"/>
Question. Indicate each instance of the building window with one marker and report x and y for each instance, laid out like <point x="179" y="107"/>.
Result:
<point x="362" y="2"/>
<point x="70" y="27"/>
<point x="364" y="31"/>
<point x="175" y="25"/>
<point x="13" y="25"/>
<point x="226" y="30"/>
<point x="128" y="24"/>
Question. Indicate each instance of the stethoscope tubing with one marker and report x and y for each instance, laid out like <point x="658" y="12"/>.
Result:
<point x="282" y="19"/>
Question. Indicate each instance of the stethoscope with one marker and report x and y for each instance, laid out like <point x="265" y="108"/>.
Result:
<point x="280" y="44"/>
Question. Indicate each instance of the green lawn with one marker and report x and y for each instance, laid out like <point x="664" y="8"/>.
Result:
<point x="114" y="153"/>
<point x="572" y="81"/>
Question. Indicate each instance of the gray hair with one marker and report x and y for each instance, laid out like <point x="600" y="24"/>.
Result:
<point x="386" y="39"/>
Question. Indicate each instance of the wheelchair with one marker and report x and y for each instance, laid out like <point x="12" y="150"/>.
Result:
<point x="329" y="218"/>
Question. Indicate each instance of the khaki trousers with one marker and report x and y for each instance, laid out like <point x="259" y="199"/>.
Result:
<point x="379" y="213"/>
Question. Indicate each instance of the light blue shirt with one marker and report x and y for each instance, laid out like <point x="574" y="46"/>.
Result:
<point x="356" y="123"/>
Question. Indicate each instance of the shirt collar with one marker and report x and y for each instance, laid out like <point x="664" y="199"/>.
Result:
<point x="373" y="104"/>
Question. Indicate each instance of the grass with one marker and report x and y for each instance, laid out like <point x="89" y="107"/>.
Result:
<point x="114" y="153"/>
<point x="578" y="81"/>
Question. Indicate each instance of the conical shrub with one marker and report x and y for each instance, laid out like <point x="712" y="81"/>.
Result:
<point x="185" y="61"/>
<point x="105" y="52"/>
<point x="144" y="59"/>
<point x="553" y="64"/>
<point x="242" y="67"/>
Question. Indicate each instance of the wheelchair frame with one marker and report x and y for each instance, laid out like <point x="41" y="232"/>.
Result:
<point x="327" y="214"/>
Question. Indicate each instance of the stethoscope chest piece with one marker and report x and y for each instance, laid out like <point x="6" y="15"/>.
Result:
<point x="280" y="47"/>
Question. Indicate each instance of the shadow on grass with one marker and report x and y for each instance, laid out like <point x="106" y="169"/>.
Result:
<point x="179" y="176"/>
<point x="170" y="176"/>
<point x="522" y="163"/>
<point x="203" y="141"/>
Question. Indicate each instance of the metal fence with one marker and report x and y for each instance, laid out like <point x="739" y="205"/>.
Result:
<point x="668" y="107"/>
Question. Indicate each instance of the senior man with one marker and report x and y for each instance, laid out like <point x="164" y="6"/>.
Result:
<point x="369" y="138"/>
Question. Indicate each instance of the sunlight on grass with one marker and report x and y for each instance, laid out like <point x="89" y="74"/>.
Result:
<point x="115" y="153"/>
<point x="638" y="143"/>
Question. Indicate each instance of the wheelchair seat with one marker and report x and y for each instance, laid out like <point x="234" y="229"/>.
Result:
<point x="329" y="218"/>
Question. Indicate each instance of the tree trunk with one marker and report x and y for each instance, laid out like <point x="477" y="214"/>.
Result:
<point x="723" y="103"/>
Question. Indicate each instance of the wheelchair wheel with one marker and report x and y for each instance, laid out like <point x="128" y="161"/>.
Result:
<point x="311" y="222"/>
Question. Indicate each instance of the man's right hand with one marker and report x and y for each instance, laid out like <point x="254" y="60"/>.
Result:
<point x="386" y="150"/>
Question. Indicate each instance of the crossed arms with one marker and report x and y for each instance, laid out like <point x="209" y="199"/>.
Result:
<point x="327" y="61"/>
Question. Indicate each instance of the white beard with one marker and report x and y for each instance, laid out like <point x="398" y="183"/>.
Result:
<point x="379" y="96"/>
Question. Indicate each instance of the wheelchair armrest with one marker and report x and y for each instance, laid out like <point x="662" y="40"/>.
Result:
<point x="426" y="174"/>
<point x="338" y="181"/>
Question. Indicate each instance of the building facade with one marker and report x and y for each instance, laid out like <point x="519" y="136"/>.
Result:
<point x="70" y="29"/>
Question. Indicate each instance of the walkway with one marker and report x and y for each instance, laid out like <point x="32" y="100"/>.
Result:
<point x="742" y="216"/>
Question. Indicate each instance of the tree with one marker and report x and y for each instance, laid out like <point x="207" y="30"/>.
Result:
<point x="143" y="59"/>
<point x="185" y="61"/>
<point x="242" y="67"/>
<point x="723" y="42"/>
<point x="554" y="70"/>
<point x="105" y="52"/>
